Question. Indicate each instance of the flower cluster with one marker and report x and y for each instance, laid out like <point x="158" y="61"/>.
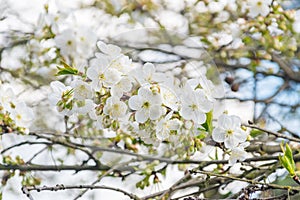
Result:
<point x="234" y="137"/>
<point x="140" y="100"/>
<point x="14" y="114"/>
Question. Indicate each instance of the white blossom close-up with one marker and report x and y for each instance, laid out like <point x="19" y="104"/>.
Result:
<point x="259" y="7"/>
<point x="115" y="108"/>
<point x="166" y="125"/>
<point x="102" y="75"/>
<point x="229" y="131"/>
<point x="195" y="105"/>
<point x="238" y="153"/>
<point x="82" y="90"/>
<point x="22" y="115"/>
<point x="147" y="103"/>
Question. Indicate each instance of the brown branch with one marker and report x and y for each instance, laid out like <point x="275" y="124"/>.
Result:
<point x="286" y="68"/>
<point x="24" y="143"/>
<point x="71" y="187"/>
<point x="35" y="167"/>
<point x="253" y="182"/>
<point x="279" y="135"/>
<point x="115" y="167"/>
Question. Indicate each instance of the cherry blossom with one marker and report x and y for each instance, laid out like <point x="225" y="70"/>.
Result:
<point x="22" y="115"/>
<point x="7" y="97"/>
<point x="124" y="85"/>
<point x="115" y="108"/>
<point x="148" y="104"/>
<point x="147" y="74"/>
<point x="238" y="153"/>
<point x="194" y="105"/>
<point x="108" y="49"/>
<point x="166" y="125"/>
<point x="66" y="42"/>
<point x="229" y="131"/>
<point x="102" y="75"/>
<point x="84" y="107"/>
<point x="259" y="7"/>
<point x="82" y="90"/>
<point x="61" y="96"/>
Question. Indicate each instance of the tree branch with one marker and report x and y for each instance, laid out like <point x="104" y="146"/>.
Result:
<point x="71" y="187"/>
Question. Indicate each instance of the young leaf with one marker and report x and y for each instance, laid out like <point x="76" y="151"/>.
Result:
<point x="287" y="160"/>
<point x="289" y="154"/>
<point x="208" y="124"/>
<point x="66" y="70"/>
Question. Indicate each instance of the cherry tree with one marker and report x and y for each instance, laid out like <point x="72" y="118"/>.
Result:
<point x="149" y="99"/>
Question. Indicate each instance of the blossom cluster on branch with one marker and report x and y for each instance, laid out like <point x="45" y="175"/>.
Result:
<point x="141" y="102"/>
<point x="131" y="89"/>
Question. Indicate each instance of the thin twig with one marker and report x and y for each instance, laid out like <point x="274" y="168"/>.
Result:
<point x="102" y="176"/>
<point x="253" y="182"/>
<point x="279" y="135"/>
<point x="71" y="187"/>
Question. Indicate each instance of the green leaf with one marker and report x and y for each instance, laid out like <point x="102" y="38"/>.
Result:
<point x="208" y="124"/>
<point x="66" y="70"/>
<point x="284" y="162"/>
<point x="255" y="133"/>
<point x="289" y="154"/>
<point x="201" y="136"/>
<point x="287" y="160"/>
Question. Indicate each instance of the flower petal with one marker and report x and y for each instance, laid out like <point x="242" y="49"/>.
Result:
<point x="135" y="102"/>
<point x="141" y="116"/>
<point x="218" y="135"/>
<point x="155" y="112"/>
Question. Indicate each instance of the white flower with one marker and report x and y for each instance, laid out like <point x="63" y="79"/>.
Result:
<point x="22" y="115"/>
<point x="173" y="21"/>
<point x="259" y="7"/>
<point x="75" y="42"/>
<point x="121" y="63"/>
<point x="108" y="49"/>
<point x="124" y="85"/>
<point x="238" y="153"/>
<point x="82" y="90"/>
<point x="84" y="107"/>
<point x="229" y="131"/>
<point x="115" y="108"/>
<point x="165" y="125"/>
<point x="169" y="97"/>
<point x="194" y="105"/>
<point x="66" y="42"/>
<point x="147" y="105"/>
<point x="58" y="89"/>
<point x="220" y="39"/>
<point x="147" y="74"/>
<point x="210" y="90"/>
<point x="201" y="7"/>
<point x="62" y="97"/>
<point x="7" y="96"/>
<point x="85" y="39"/>
<point x="101" y="74"/>
<point x="216" y="7"/>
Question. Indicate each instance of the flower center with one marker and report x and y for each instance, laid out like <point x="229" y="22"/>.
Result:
<point x="116" y="107"/>
<point x="19" y="117"/>
<point x="69" y="42"/>
<point x="146" y="104"/>
<point x="229" y="132"/>
<point x="101" y="77"/>
<point x="194" y="107"/>
<point x="81" y="90"/>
